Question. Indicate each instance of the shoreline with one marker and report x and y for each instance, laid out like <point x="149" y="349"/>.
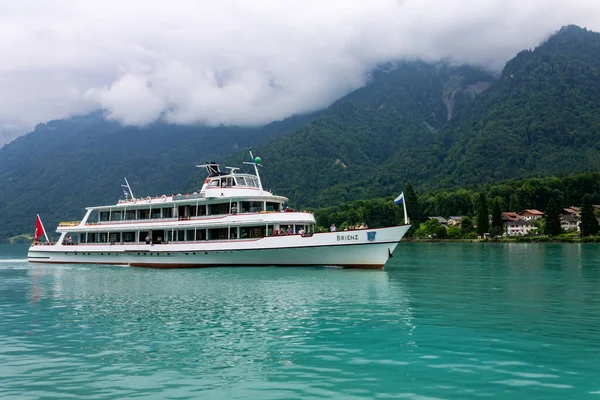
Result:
<point x="534" y="239"/>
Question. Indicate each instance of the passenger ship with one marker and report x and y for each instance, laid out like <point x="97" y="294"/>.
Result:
<point x="231" y="221"/>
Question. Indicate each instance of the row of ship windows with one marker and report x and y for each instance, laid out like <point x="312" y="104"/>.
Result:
<point x="187" y="235"/>
<point x="185" y="211"/>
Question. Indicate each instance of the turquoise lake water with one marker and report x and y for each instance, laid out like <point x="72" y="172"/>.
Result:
<point x="443" y="321"/>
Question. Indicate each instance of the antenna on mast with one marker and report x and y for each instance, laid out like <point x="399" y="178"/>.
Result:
<point x="128" y="189"/>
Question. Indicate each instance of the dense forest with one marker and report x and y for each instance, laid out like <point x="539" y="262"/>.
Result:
<point x="440" y="127"/>
<point x="64" y="166"/>
<point x="540" y="118"/>
<point x="513" y="195"/>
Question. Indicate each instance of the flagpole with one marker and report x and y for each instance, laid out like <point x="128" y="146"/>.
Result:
<point x="44" y="229"/>
<point x="405" y="213"/>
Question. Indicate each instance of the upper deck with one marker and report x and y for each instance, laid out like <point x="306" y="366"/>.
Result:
<point x="221" y="193"/>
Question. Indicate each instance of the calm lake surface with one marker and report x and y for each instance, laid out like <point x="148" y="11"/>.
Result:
<point x="447" y="321"/>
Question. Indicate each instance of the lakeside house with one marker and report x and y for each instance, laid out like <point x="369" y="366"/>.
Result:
<point x="520" y="224"/>
<point x="455" y="221"/>
<point x="569" y="218"/>
<point x="441" y="220"/>
<point x="531" y="214"/>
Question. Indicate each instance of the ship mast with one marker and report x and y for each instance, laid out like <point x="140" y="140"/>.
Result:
<point x="255" y="162"/>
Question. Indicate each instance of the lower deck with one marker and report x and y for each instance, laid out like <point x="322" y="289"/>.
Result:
<point x="368" y="249"/>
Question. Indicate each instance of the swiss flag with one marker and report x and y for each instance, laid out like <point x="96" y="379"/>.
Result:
<point x="39" y="228"/>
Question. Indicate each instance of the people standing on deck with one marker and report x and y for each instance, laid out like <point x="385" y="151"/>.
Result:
<point x="234" y="208"/>
<point x="332" y="228"/>
<point x="148" y="239"/>
<point x="290" y="231"/>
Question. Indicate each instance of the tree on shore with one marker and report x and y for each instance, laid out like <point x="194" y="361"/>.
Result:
<point x="497" y="223"/>
<point x="412" y="204"/>
<point x="483" y="222"/>
<point x="466" y="225"/>
<point x="552" y="225"/>
<point x="515" y="204"/>
<point x="589" y="223"/>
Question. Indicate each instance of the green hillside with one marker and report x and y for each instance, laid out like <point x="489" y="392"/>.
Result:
<point x="540" y="118"/>
<point x="400" y="115"/>
<point x="437" y="126"/>
<point x="63" y="166"/>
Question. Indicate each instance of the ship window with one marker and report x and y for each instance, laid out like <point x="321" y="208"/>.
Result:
<point x="252" y="182"/>
<point x="129" y="215"/>
<point x="116" y="215"/>
<point x="103" y="237"/>
<point x="218" y="209"/>
<point x="103" y="215"/>
<point x="180" y="235"/>
<point x="145" y="213"/>
<point x="200" y="234"/>
<point x="190" y="235"/>
<point x="217" y="234"/>
<point x="251" y="232"/>
<point x="156" y="213"/>
<point x="167" y="212"/>
<point x="128" y="237"/>
<point x="114" y="237"/>
<point x="214" y="183"/>
<point x="82" y="238"/>
<point x="92" y="237"/>
<point x="240" y="180"/>
<point x="252" y="206"/>
<point x="142" y="237"/>
<point x="272" y="206"/>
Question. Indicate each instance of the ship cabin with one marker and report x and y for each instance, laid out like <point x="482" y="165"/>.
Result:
<point x="229" y="206"/>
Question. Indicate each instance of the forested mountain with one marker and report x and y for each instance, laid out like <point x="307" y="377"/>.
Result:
<point x="376" y="137"/>
<point x="63" y="166"/>
<point x="437" y="126"/>
<point x="540" y="118"/>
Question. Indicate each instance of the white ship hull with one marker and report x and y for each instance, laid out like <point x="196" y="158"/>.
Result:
<point x="369" y="248"/>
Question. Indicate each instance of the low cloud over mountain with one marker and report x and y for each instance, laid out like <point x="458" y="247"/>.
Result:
<point x="240" y="62"/>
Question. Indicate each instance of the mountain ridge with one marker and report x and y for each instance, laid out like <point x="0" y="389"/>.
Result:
<point x="435" y="125"/>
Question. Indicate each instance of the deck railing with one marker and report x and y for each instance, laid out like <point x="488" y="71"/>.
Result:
<point x="69" y="223"/>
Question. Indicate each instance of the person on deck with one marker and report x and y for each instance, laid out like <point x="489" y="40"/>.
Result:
<point x="332" y="228"/>
<point x="290" y="231"/>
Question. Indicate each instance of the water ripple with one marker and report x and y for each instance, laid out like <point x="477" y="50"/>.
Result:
<point x="445" y="321"/>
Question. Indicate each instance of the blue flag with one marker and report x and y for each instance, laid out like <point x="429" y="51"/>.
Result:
<point x="399" y="199"/>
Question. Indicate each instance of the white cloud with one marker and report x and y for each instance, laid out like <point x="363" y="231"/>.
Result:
<point x="242" y="62"/>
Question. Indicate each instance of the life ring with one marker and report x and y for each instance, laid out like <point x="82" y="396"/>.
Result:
<point x="163" y="197"/>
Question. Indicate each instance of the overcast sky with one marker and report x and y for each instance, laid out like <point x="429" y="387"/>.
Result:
<point x="242" y="62"/>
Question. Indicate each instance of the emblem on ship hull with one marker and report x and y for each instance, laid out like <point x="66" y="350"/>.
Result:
<point x="371" y="236"/>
